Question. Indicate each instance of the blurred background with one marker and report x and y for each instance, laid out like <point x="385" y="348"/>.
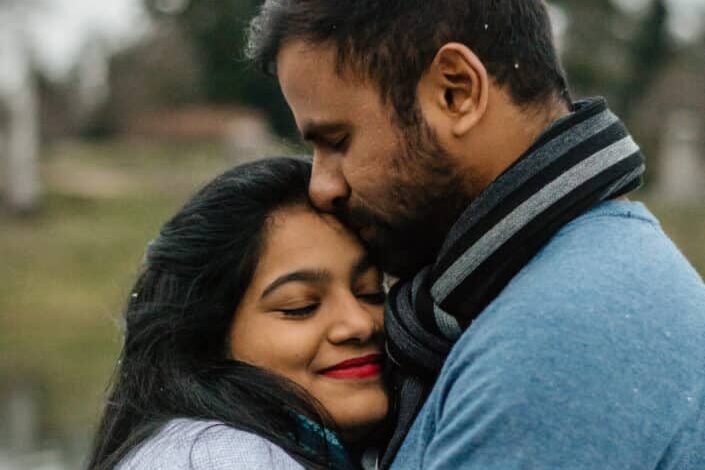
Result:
<point x="112" y="113"/>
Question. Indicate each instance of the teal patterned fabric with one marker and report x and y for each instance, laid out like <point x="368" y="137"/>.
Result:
<point x="321" y="441"/>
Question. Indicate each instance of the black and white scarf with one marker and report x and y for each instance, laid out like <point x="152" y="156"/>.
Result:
<point x="579" y="161"/>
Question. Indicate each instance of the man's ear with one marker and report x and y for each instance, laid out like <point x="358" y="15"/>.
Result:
<point x="458" y="85"/>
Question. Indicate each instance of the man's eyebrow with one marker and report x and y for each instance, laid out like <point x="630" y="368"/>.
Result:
<point x="310" y="276"/>
<point x="312" y="131"/>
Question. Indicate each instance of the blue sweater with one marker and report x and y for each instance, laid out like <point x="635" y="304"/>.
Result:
<point x="593" y="357"/>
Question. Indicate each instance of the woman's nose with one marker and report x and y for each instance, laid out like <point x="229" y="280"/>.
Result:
<point x="356" y="321"/>
<point x="328" y="188"/>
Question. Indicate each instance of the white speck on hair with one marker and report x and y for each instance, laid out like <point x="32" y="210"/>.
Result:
<point x="516" y="65"/>
<point x="487" y="26"/>
<point x="134" y="295"/>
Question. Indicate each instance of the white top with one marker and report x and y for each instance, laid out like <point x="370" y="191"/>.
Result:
<point x="207" y="445"/>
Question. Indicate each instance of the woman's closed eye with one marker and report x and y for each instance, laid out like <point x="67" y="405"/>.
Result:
<point x="300" y="311"/>
<point x="373" y="298"/>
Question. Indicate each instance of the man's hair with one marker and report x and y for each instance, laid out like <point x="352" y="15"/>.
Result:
<point x="393" y="42"/>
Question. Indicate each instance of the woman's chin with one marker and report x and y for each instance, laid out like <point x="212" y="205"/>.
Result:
<point x="358" y="417"/>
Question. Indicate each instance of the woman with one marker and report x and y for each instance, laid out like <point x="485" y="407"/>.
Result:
<point x="253" y="332"/>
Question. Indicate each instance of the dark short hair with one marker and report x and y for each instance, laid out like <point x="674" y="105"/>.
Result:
<point x="394" y="41"/>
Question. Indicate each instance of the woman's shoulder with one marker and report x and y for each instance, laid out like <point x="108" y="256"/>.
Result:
<point x="193" y="444"/>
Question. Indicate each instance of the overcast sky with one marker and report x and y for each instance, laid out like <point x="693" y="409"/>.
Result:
<point x="64" y="25"/>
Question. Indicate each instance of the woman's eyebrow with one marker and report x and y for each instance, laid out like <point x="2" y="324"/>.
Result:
<point x="312" y="276"/>
<point x="360" y="267"/>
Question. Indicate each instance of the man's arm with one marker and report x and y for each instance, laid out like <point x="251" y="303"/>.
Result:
<point x="546" y="391"/>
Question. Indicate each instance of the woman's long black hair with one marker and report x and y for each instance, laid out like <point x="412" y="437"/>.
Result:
<point x="175" y="361"/>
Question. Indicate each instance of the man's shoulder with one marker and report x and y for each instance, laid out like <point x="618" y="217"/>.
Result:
<point x="616" y="252"/>
<point x="615" y="230"/>
<point x="609" y="290"/>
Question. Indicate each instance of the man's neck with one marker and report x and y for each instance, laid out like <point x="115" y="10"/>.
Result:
<point x="506" y="133"/>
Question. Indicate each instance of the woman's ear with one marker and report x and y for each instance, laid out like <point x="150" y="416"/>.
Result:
<point x="456" y="85"/>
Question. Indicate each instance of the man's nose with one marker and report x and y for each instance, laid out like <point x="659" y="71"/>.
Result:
<point x="328" y="187"/>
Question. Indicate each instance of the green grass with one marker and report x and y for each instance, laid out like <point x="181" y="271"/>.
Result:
<point x="66" y="271"/>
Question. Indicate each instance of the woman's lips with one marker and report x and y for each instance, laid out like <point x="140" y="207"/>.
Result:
<point x="358" y="368"/>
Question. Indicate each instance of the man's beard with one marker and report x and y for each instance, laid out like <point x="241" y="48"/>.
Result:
<point x="423" y="205"/>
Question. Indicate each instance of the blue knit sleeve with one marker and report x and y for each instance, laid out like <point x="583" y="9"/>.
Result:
<point x="591" y="358"/>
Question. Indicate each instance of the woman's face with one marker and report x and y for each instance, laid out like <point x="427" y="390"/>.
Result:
<point x="314" y="314"/>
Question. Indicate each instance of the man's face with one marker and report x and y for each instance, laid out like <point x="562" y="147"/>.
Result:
<point x="396" y="188"/>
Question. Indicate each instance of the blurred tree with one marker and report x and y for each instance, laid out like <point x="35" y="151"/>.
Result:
<point x="218" y="31"/>
<point x="649" y="52"/>
<point x="596" y="41"/>
<point x="19" y="111"/>
<point x="613" y="52"/>
<point x="153" y="75"/>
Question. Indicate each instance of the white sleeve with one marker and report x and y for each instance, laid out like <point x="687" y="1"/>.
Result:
<point x="223" y="448"/>
<point x="207" y="445"/>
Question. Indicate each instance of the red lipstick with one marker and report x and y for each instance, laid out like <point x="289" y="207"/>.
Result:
<point x="358" y="368"/>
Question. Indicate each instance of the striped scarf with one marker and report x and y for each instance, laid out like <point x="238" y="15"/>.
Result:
<point x="579" y="161"/>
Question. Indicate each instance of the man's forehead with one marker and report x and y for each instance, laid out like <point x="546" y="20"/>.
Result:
<point x="323" y="101"/>
<point x="299" y="55"/>
<point x="313" y="65"/>
<point x="308" y="79"/>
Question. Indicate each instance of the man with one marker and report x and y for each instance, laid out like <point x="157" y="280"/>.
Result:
<point x="546" y="321"/>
